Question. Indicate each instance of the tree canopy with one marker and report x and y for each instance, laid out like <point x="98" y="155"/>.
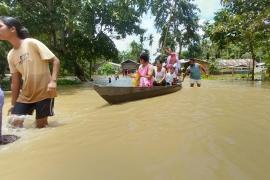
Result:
<point x="177" y="21"/>
<point x="81" y="32"/>
<point x="244" y="24"/>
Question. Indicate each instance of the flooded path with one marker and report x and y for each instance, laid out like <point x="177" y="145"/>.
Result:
<point x="220" y="131"/>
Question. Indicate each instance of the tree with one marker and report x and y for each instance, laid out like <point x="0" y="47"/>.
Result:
<point x="136" y="50"/>
<point x="134" y="53"/>
<point x="245" y="22"/>
<point x="106" y="69"/>
<point x="80" y="31"/>
<point x="177" y="21"/>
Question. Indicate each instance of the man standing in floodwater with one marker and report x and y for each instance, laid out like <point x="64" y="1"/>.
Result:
<point x="29" y="61"/>
<point x="194" y="70"/>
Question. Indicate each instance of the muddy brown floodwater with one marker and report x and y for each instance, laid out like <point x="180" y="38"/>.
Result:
<point x="218" y="132"/>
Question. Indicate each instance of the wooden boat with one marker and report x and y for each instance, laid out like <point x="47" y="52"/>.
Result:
<point x="116" y="95"/>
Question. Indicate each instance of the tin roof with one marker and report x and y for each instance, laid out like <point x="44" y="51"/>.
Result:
<point x="234" y="62"/>
<point x="128" y="61"/>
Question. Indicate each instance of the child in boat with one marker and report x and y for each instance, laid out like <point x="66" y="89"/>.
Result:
<point x="171" y="77"/>
<point x="160" y="74"/>
<point x="173" y="60"/>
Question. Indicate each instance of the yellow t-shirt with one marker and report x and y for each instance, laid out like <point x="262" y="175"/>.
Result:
<point x="31" y="60"/>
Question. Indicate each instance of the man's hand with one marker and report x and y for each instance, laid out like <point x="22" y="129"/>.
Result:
<point x="52" y="86"/>
<point x="10" y="110"/>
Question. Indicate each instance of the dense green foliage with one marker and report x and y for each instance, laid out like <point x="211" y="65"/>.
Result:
<point x="106" y="69"/>
<point x="133" y="53"/>
<point x="79" y="32"/>
<point x="177" y="21"/>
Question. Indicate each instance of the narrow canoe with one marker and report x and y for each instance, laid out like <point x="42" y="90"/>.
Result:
<point x="116" y="95"/>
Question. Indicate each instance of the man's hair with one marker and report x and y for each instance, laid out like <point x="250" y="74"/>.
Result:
<point x="22" y="32"/>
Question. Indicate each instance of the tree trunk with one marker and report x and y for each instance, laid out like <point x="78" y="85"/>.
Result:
<point x="62" y="43"/>
<point x="90" y="69"/>
<point x="253" y="59"/>
<point x="79" y="72"/>
<point x="180" y="48"/>
<point x="52" y="39"/>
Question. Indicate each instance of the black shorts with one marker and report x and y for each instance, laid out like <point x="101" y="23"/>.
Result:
<point x="44" y="108"/>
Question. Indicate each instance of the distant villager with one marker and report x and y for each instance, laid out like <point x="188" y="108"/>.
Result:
<point x="194" y="72"/>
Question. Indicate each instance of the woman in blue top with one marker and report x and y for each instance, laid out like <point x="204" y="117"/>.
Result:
<point x="194" y="71"/>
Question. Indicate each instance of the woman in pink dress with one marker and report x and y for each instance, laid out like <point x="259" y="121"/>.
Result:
<point x="173" y="60"/>
<point x="145" y="71"/>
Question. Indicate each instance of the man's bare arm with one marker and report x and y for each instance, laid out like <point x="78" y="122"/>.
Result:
<point x="15" y="87"/>
<point x="203" y="69"/>
<point x="55" y="68"/>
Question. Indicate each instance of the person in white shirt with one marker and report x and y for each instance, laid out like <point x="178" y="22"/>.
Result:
<point x="171" y="77"/>
<point x="160" y="74"/>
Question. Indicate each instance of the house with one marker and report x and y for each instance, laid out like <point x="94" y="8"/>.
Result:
<point x="235" y="65"/>
<point x="129" y="66"/>
<point x="234" y="62"/>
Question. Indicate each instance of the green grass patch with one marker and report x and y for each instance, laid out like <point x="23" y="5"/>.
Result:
<point x="5" y="84"/>
<point x="229" y="77"/>
<point x="64" y="82"/>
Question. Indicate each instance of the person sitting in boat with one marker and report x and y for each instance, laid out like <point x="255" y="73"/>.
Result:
<point x="145" y="71"/>
<point x="159" y="74"/>
<point x="173" y="60"/>
<point x="171" y="77"/>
